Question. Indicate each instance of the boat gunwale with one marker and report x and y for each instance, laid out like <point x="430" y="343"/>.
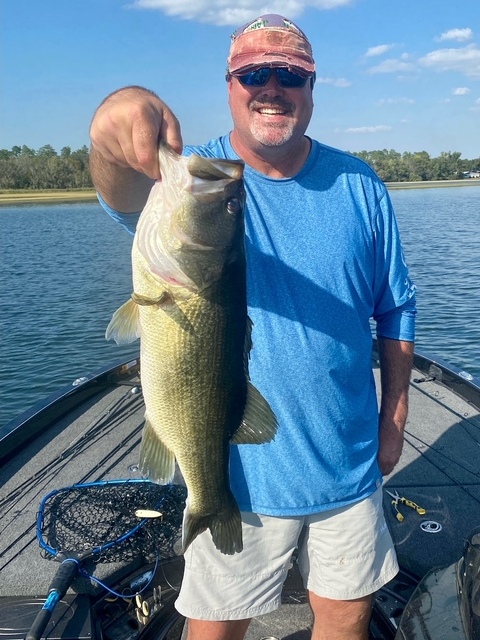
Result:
<point x="37" y="419"/>
<point x="34" y="421"/>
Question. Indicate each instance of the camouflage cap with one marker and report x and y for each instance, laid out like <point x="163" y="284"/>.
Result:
<point x="270" y="41"/>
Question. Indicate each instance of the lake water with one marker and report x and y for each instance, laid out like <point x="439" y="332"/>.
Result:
<point x="66" y="268"/>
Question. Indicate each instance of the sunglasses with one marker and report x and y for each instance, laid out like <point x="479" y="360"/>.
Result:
<point x="285" y="78"/>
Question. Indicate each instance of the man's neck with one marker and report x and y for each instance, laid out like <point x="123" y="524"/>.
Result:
<point x="284" y="161"/>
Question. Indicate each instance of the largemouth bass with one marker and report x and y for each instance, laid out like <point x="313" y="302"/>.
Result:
<point x="189" y="310"/>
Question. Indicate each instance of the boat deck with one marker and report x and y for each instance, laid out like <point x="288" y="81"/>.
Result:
<point x="99" y="439"/>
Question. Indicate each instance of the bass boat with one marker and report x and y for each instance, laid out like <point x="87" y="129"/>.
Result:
<point x="89" y="550"/>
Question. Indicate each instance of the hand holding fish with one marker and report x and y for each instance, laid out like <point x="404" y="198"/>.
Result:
<point x="127" y="126"/>
<point x="125" y="132"/>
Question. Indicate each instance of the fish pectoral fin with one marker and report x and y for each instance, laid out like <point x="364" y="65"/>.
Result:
<point x="157" y="462"/>
<point x="124" y="327"/>
<point x="259" y="423"/>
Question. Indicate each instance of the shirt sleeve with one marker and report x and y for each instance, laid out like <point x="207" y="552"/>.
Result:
<point x="127" y="220"/>
<point x="394" y="291"/>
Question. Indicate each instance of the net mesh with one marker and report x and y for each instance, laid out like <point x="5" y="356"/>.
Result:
<point x="77" y="520"/>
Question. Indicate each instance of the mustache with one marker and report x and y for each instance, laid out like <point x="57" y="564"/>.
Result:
<point x="267" y="101"/>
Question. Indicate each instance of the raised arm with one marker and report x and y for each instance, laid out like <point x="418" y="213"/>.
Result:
<point x="125" y="131"/>
<point x="396" y="357"/>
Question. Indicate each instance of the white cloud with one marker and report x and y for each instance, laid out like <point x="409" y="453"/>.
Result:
<point x="232" y="12"/>
<point x="388" y="101"/>
<point x="335" y="82"/>
<point x="376" y="129"/>
<point x="461" y="91"/>
<point x="394" y="65"/>
<point x="464" y="60"/>
<point x="461" y="35"/>
<point x="379" y="50"/>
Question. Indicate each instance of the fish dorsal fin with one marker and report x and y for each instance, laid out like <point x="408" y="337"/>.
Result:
<point x="259" y="423"/>
<point x="124" y="327"/>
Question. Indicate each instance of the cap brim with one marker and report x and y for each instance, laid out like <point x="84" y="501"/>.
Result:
<point x="249" y="61"/>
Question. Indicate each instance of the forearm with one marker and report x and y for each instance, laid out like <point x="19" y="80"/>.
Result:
<point x="396" y="357"/>
<point x="122" y="188"/>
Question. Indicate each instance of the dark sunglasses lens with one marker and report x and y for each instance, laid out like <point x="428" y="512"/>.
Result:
<point x="288" y="79"/>
<point x="285" y="78"/>
<point x="257" y="78"/>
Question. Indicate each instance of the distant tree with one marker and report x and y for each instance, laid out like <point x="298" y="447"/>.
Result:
<point x="446" y="166"/>
<point x="47" y="150"/>
<point x="418" y="166"/>
<point x="26" y="151"/>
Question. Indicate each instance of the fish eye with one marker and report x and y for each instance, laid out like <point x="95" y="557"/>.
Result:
<point x="233" y="205"/>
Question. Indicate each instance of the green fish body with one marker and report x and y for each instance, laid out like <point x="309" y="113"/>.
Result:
<point x="189" y="310"/>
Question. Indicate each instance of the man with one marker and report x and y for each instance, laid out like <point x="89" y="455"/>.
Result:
<point x="323" y="257"/>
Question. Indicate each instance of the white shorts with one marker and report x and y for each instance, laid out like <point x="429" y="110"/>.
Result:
<point x="346" y="553"/>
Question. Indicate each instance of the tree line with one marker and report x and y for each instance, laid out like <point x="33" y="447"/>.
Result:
<point x="25" y="168"/>
<point x="419" y="166"/>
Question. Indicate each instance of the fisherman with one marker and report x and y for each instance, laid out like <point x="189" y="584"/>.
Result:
<point x="324" y="256"/>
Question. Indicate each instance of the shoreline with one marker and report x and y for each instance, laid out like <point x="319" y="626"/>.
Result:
<point x="429" y="184"/>
<point x="55" y="196"/>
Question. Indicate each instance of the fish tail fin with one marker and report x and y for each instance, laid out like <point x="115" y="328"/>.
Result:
<point x="225" y="527"/>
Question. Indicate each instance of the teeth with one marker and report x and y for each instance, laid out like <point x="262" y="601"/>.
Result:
<point x="268" y="111"/>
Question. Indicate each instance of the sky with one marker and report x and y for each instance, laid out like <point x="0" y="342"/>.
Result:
<point x="399" y="75"/>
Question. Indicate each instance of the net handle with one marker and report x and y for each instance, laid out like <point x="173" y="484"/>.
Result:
<point x="63" y="578"/>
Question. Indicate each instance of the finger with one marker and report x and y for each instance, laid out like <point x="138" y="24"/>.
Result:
<point x="170" y="131"/>
<point x="143" y="147"/>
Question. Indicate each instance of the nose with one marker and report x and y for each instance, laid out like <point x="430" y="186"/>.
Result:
<point x="272" y="84"/>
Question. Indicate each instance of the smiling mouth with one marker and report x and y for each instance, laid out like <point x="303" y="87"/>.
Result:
<point x="272" y="108"/>
<point x="272" y="111"/>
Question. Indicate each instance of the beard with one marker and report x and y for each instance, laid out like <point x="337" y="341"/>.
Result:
<point x="273" y="134"/>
